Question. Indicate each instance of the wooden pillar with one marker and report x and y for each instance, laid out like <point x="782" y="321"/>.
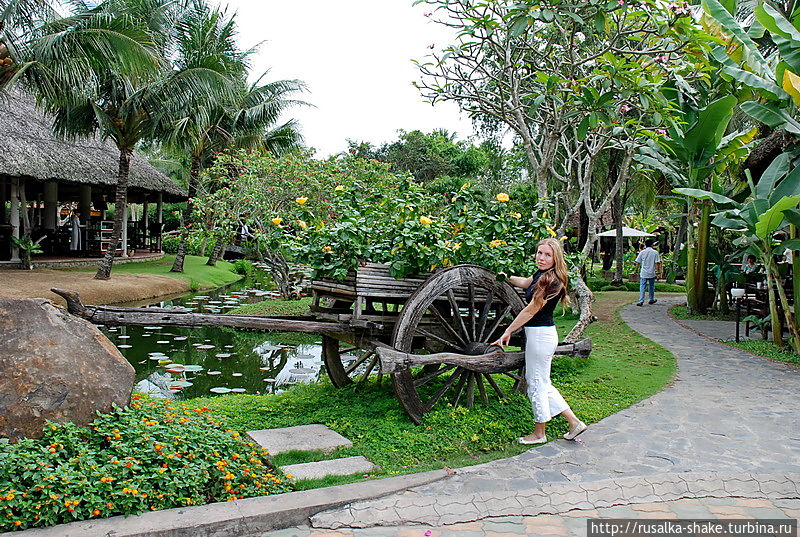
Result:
<point x="3" y="201"/>
<point x="145" y="222"/>
<point x="50" y="205"/>
<point x="160" y="216"/>
<point x="15" y="218"/>
<point x="85" y="204"/>
<point x="125" y="231"/>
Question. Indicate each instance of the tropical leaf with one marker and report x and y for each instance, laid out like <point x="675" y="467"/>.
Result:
<point x="792" y="216"/>
<point x="732" y="26"/>
<point x="771" y="115"/>
<point x="712" y="121"/>
<point x="773" y="217"/>
<point x="789" y="186"/>
<point x="791" y="84"/>
<point x="725" y="222"/>
<point x="704" y="195"/>
<point x="777" y="169"/>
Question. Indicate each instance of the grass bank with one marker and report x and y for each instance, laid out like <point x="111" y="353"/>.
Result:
<point x="767" y="349"/>
<point x="623" y="369"/>
<point x="274" y="307"/>
<point x="196" y="272"/>
<point x="681" y="313"/>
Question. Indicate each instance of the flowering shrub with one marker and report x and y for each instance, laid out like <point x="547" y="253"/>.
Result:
<point x="334" y="214"/>
<point x="150" y="455"/>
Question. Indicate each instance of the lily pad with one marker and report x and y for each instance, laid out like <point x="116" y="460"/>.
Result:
<point x="238" y="390"/>
<point x="236" y="374"/>
<point x="180" y="384"/>
<point x="123" y="337"/>
<point x="213" y="372"/>
<point x="220" y="389"/>
<point x="223" y="355"/>
<point x="205" y="347"/>
<point x="152" y="328"/>
<point x="162" y="342"/>
<point x="193" y="368"/>
<point x="124" y="346"/>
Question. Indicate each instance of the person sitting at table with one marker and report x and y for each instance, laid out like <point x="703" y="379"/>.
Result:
<point x="751" y="267"/>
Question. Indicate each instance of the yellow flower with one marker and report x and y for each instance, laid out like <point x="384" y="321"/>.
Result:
<point x="301" y="201"/>
<point x="516" y="215"/>
<point x="456" y="246"/>
<point x="338" y="188"/>
<point x="465" y="186"/>
<point x="277" y="220"/>
<point x="425" y="221"/>
<point x="563" y="238"/>
<point x="550" y="230"/>
<point x="496" y="242"/>
<point x="502" y="197"/>
<point x="302" y="224"/>
<point x="327" y="249"/>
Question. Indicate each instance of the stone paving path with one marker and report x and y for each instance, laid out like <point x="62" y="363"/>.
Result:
<point x="573" y="523"/>
<point x="727" y="427"/>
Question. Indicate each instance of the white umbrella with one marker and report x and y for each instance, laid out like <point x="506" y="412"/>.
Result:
<point x="626" y="232"/>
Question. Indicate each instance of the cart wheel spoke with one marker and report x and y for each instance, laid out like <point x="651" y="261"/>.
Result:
<point x="473" y="378"/>
<point x="497" y="322"/>
<point x="482" y="388"/>
<point x="457" y="314"/>
<point x="421" y="381"/>
<point x="446" y="325"/>
<point x="495" y="387"/>
<point x="460" y="386"/>
<point x="471" y="300"/>
<point x="358" y="362"/>
<point x="487" y="306"/>
<point x="458" y="373"/>
<point x="370" y="367"/>
<point x="440" y="339"/>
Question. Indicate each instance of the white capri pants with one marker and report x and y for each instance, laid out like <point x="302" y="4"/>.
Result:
<point x="540" y="344"/>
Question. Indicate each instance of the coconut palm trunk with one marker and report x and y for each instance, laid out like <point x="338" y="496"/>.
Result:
<point x="701" y="257"/>
<point x="216" y="253"/>
<point x="194" y="173"/>
<point x="120" y="202"/>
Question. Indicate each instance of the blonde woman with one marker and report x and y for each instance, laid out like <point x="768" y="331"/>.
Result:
<point x="543" y="290"/>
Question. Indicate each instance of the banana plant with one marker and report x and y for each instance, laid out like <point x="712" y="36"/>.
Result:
<point x="694" y="155"/>
<point x="772" y="204"/>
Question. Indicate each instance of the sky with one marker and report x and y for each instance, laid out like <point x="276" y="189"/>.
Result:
<point x="355" y="56"/>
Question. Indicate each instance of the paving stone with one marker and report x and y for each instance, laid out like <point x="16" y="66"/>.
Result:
<point x="691" y="511"/>
<point x="765" y="512"/>
<point x="301" y="438"/>
<point x="320" y="469"/>
<point x="718" y="501"/>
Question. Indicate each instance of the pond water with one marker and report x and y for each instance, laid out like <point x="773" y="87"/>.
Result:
<point x="181" y="363"/>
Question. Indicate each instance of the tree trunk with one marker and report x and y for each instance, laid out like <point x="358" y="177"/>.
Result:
<point x="194" y="172"/>
<point x="795" y="271"/>
<point x="120" y="202"/>
<point x="691" y="276"/>
<point x="777" y="335"/>
<point x="701" y="260"/>
<point x="216" y="253"/>
<point x="613" y="171"/>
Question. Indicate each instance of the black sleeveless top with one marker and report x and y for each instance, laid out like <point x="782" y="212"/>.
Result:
<point x="544" y="317"/>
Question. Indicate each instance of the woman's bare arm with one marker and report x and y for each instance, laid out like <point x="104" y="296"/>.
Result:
<point x="523" y="317"/>
<point x="519" y="281"/>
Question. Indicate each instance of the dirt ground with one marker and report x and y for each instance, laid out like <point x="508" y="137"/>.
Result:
<point x="120" y="288"/>
<point x="606" y="307"/>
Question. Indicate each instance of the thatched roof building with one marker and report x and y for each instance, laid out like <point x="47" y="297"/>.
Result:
<point x="30" y="151"/>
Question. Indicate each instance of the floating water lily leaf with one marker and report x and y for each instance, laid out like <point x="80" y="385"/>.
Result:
<point x="180" y="338"/>
<point x="228" y="346"/>
<point x="123" y="337"/>
<point x="220" y="389"/>
<point x="175" y="370"/>
<point x="193" y="368"/>
<point x="205" y="347"/>
<point x="265" y="368"/>
<point x="180" y="384"/>
<point x="269" y="380"/>
<point x="238" y="390"/>
<point x="214" y="372"/>
<point x="152" y="328"/>
<point x="124" y="346"/>
<point x="223" y="355"/>
<point x="236" y="374"/>
<point x="301" y="371"/>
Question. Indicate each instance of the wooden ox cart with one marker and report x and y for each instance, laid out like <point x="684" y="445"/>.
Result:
<point x="429" y="333"/>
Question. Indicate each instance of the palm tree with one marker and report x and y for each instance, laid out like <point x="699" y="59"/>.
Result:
<point x="117" y="85"/>
<point x="212" y="123"/>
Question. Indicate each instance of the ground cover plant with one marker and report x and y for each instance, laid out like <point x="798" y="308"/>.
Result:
<point x="150" y="455"/>
<point x="623" y="368"/>
<point x="275" y="307"/>
<point x="767" y="349"/>
<point x="682" y="313"/>
<point x="196" y="272"/>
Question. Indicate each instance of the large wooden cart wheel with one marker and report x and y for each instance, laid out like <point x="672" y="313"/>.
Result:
<point x="349" y="361"/>
<point x="459" y="309"/>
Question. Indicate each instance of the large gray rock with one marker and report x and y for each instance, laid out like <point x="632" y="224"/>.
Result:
<point x="54" y="366"/>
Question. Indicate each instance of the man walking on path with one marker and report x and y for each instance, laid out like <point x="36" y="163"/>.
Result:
<point x="650" y="261"/>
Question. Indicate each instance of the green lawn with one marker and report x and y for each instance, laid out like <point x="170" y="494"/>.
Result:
<point x="196" y="272"/>
<point x="275" y="307"/>
<point x="681" y="313"/>
<point x="623" y="369"/>
<point x="767" y="349"/>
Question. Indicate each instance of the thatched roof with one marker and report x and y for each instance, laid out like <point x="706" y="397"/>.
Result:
<point x="28" y="149"/>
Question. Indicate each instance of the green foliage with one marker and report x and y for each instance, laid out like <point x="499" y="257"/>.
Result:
<point x="276" y="307"/>
<point x="244" y="267"/>
<point x="596" y="284"/>
<point x="332" y="215"/>
<point x="682" y="314"/>
<point x="195" y="270"/>
<point x="194" y="244"/>
<point x="767" y="349"/>
<point x="150" y="455"/>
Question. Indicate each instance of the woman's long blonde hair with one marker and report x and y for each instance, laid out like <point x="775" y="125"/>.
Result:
<point x="558" y="272"/>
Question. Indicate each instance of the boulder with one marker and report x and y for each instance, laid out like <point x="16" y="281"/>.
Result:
<point x="54" y="366"/>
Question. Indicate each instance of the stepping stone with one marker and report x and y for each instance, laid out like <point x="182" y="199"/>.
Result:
<point x="301" y="437"/>
<point x="320" y="469"/>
